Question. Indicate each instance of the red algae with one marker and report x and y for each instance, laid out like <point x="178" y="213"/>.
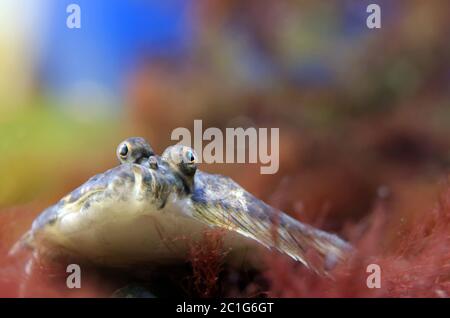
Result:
<point x="418" y="267"/>
<point x="206" y="258"/>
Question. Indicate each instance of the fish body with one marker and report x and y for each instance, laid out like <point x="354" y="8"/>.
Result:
<point x="130" y="215"/>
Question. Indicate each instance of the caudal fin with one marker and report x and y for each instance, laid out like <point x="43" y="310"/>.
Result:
<point x="316" y="249"/>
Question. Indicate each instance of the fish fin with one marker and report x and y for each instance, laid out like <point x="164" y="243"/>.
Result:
<point x="25" y="242"/>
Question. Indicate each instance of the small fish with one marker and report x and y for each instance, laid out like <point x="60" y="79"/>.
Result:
<point x="150" y="209"/>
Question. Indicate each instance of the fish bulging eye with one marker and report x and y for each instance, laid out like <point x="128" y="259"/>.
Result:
<point x="123" y="151"/>
<point x="190" y="156"/>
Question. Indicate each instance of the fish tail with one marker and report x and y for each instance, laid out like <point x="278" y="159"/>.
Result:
<point x="316" y="249"/>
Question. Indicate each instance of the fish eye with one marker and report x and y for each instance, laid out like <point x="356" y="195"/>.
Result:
<point x="123" y="150"/>
<point x="190" y="156"/>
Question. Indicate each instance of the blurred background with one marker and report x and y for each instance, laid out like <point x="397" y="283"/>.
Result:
<point x="363" y="114"/>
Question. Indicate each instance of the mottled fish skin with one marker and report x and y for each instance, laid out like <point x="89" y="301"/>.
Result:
<point x="98" y="182"/>
<point x="127" y="183"/>
<point x="221" y="202"/>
